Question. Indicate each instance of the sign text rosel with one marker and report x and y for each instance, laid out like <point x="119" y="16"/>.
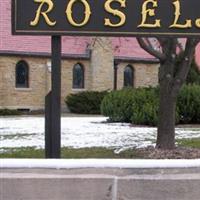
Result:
<point x="107" y="17"/>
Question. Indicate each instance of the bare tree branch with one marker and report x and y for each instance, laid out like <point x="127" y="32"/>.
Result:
<point x="187" y="57"/>
<point x="180" y="46"/>
<point x="185" y="64"/>
<point x="147" y="41"/>
<point x="164" y="44"/>
<point x="151" y="50"/>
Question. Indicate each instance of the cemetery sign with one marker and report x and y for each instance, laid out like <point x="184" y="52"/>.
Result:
<point x="106" y="17"/>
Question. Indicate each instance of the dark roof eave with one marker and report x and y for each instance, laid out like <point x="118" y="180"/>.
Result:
<point x="85" y="56"/>
<point x="119" y="59"/>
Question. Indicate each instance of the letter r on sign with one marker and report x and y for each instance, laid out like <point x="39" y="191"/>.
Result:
<point x="39" y="12"/>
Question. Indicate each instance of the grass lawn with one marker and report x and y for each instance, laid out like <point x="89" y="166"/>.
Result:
<point x="88" y="152"/>
<point x="193" y="143"/>
<point x="68" y="153"/>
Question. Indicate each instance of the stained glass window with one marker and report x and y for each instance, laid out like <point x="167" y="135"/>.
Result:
<point x="78" y="76"/>
<point x="128" y="76"/>
<point x="21" y="74"/>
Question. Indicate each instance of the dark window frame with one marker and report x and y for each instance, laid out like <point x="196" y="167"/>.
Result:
<point x="129" y="83"/>
<point x="24" y="77"/>
<point x="78" y="82"/>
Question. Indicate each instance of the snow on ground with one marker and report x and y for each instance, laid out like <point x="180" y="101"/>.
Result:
<point x="78" y="132"/>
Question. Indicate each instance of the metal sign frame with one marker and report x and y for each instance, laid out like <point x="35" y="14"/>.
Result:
<point x="107" y="17"/>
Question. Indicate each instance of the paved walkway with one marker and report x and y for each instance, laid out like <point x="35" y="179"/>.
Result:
<point x="100" y="184"/>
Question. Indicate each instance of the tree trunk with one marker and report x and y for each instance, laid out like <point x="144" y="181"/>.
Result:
<point x="175" y="62"/>
<point x="166" y="124"/>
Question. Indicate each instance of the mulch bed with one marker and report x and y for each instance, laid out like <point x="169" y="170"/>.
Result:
<point x="177" y="153"/>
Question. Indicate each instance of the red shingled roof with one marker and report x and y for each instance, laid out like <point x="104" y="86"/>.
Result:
<point x="123" y="47"/>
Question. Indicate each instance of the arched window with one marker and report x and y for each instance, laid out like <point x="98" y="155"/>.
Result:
<point x="22" y="74"/>
<point x="78" y="76"/>
<point x="128" y="76"/>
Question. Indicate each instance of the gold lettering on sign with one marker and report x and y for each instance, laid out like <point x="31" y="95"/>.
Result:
<point x="197" y="23"/>
<point x="177" y="13"/>
<point x="39" y="12"/>
<point x="115" y="12"/>
<point x="149" y="12"/>
<point x="69" y="13"/>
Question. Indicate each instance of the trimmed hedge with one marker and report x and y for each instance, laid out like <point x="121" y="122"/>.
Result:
<point x="140" y="106"/>
<point x="193" y="75"/>
<point x="118" y="105"/>
<point x="4" y="112"/>
<point x="87" y="102"/>
<point x="188" y="104"/>
<point x="145" y="106"/>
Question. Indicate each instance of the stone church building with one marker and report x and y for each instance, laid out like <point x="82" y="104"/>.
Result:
<point x="88" y="63"/>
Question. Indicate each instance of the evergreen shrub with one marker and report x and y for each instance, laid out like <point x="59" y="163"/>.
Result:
<point x="5" y="111"/>
<point x="193" y="75"/>
<point x="117" y="105"/>
<point x="140" y="106"/>
<point x="188" y="104"/>
<point x="145" y="106"/>
<point x="87" y="102"/>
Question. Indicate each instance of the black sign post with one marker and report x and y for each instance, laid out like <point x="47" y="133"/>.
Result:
<point x="52" y="103"/>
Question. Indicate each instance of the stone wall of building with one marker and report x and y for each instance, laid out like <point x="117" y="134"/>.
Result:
<point x="102" y="60"/>
<point x="67" y="78"/>
<point x="23" y="98"/>
<point x="1" y="85"/>
<point x="98" y="75"/>
<point x="144" y="74"/>
<point x="39" y="82"/>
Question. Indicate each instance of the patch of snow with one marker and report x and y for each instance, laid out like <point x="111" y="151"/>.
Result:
<point x="80" y="132"/>
<point x="97" y="163"/>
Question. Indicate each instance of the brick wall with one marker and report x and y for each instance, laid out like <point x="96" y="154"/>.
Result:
<point x="99" y="74"/>
<point x="144" y="74"/>
<point x="102" y="64"/>
<point x="32" y="97"/>
<point x="67" y="78"/>
<point x="39" y="82"/>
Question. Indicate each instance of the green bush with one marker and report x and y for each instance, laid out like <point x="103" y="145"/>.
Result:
<point x="117" y="105"/>
<point x="145" y="107"/>
<point x="193" y="75"/>
<point x="188" y="104"/>
<point x="140" y="106"/>
<point x="4" y="112"/>
<point x="87" y="102"/>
